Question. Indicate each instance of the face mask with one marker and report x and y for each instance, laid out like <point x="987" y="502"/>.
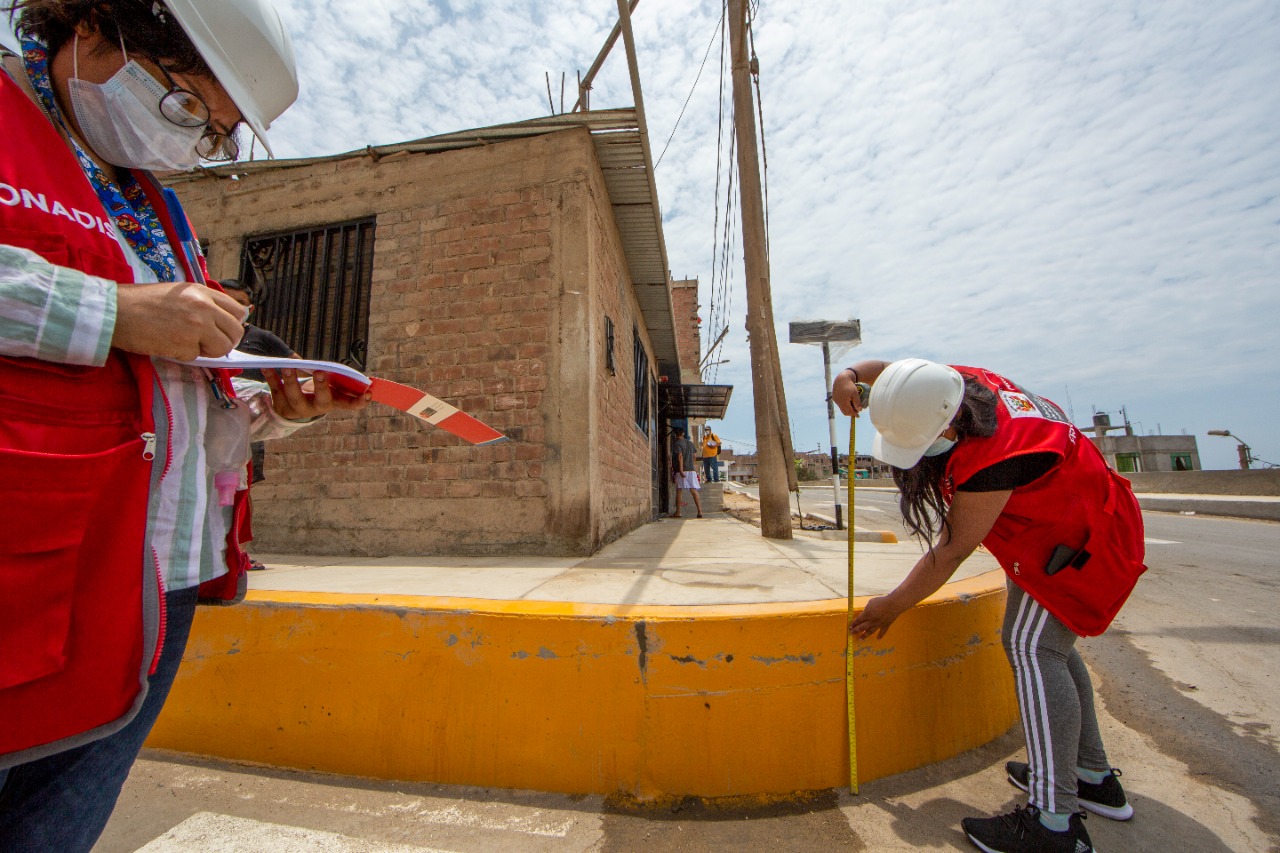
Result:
<point x="122" y="122"/>
<point x="940" y="446"/>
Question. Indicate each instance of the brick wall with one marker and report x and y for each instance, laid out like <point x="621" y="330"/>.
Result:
<point x="492" y="269"/>
<point x="684" y="302"/>
<point x="622" y="449"/>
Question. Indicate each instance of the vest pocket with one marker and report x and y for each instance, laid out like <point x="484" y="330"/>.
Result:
<point x="68" y="409"/>
<point x="50" y="501"/>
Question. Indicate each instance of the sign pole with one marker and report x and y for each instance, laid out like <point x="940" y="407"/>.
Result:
<point x="835" y="451"/>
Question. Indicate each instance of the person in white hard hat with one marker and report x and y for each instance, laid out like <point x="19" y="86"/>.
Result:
<point x="978" y="459"/>
<point x="112" y="525"/>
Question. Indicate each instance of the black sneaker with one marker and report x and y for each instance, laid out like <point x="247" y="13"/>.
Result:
<point x="1021" y="831"/>
<point x="1106" y="798"/>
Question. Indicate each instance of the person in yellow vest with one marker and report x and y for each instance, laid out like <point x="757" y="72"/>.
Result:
<point x="710" y="452"/>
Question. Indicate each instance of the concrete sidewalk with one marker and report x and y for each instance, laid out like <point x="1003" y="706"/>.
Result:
<point x="690" y="561"/>
<point x="1258" y="507"/>
<point x="1261" y="507"/>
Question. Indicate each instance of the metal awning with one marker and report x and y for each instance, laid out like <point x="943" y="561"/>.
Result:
<point x="693" y="401"/>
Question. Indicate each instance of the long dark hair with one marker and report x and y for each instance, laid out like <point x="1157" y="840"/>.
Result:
<point x="920" y="487"/>
<point x="147" y="28"/>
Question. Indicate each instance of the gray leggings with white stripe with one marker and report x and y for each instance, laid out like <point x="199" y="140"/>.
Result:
<point x="1055" y="697"/>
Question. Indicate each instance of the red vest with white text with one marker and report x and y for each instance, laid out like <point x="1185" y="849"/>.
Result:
<point x="81" y="599"/>
<point x="1080" y="504"/>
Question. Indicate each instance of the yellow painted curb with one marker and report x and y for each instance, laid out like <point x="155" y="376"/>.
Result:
<point x="648" y="701"/>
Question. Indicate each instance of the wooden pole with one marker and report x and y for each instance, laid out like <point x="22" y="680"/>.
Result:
<point x="770" y="412"/>
<point x="584" y="83"/>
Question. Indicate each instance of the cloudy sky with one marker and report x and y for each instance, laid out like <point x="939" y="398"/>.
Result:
<point x="1084" y="196"/>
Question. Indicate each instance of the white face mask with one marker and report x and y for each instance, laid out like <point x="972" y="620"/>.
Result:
<point x="940" y="446"/>
<point x="122" y="122"/>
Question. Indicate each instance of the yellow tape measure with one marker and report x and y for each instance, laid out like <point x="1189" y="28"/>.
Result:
<point x="864" y="397"/>
<point x="848" y="652"/>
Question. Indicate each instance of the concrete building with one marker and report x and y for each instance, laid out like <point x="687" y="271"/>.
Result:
<point x="518" y="272"/>
<point x="1130" y="453"/>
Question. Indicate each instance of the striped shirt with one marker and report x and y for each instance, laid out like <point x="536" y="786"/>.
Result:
<point x="61" y="315"/>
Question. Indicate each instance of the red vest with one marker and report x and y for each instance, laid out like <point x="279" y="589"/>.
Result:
<point x="81" y="600"/>
<point x="1080" y="504"/>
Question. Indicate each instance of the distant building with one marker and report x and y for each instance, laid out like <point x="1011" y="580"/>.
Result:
<point x="818" y="463"/>
<point x="738" y="467"/>
<point x="1130" y="453"/>
<point x="873" y="467"/>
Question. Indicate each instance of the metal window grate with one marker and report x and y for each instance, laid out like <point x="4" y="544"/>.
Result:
<point x="641" y="382"/>
<point x="608" y="346"/>
<point x="314" y="288"/>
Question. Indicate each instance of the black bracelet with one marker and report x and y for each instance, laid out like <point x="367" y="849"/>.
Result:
<point x="855" y="375"/>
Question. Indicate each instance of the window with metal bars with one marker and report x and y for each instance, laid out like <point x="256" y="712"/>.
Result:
<point x="641" y="382"/>
<point x="608" y="346"/>
<point x="314" y="288"/>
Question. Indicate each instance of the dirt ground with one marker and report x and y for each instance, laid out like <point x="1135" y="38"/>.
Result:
<point x="742" y="507"/>
<point x="745" y="509"/>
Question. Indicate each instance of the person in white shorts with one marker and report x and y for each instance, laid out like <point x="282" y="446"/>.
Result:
<point x="683" y="454"/>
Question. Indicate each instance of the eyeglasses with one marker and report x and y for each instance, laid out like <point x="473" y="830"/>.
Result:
<point x="187" y="109"/>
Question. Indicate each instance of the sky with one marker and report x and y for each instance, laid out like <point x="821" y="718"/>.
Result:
<point x="1082" y="196"/>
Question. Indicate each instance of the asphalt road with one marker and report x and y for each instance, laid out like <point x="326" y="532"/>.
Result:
<point x="1191" y="660"/>
<point x="1190" y="708"/>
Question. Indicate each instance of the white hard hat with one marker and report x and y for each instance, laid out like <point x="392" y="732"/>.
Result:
<point x="248" y="49"/>
<point x="911" y="404"/>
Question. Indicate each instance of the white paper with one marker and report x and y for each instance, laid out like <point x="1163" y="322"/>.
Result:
<point x="236" y="360"/>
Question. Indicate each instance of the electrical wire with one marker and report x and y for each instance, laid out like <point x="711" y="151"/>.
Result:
<point x="715" y="196"/>
<point x="721" y="306"/>
<point x="719" y="27"/>
<point x="715" y="311"/>
<point x="731" y="203"/>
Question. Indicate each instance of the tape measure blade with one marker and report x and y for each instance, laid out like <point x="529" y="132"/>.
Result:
<point x="849" y="675"/>
<point x="410" y="400"/>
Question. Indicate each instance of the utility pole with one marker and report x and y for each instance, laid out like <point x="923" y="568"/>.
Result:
<point x="773" y="433"/>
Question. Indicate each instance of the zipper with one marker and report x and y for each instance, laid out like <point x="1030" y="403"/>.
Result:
<point x="168" y="416"/>
<point x="163" y="613"/>
<point x="155" y="558"/>
<point x="149" y="446"/>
